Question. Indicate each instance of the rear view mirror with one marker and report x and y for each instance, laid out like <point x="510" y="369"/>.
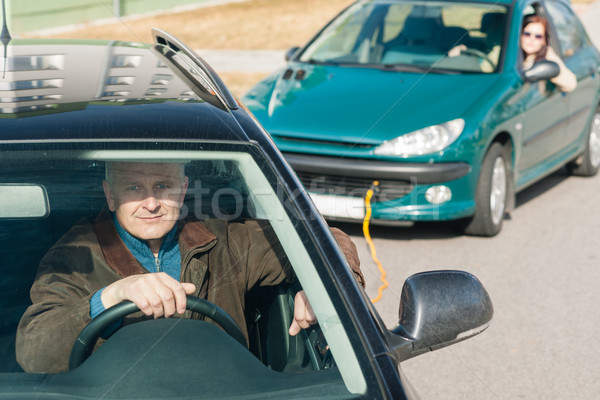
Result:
<point x="542" y="70"/>
<point x="23" y="201"/>
<point x="440" y="308"/>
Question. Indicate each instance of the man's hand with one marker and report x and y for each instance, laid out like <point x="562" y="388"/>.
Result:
<point x="456" y="50"/>
<point x="155" y="294"/>
<point x="303" y="314"/>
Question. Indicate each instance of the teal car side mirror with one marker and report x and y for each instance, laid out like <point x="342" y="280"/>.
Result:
<point x="290" y="53"/>
<point x="437" y="309"/>
<point x="542" y="70"/>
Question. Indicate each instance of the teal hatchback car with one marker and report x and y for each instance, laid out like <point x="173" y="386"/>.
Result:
<point x="380" y="99"/>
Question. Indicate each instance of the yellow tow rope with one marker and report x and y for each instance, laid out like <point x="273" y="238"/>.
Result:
<point x="384" y="284"/>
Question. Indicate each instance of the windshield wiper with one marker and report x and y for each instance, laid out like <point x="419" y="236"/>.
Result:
<point x="414" y="68"/>
<point x="335" y="62"/>
<point x="319" y="62"/>
<point x="386" y="67"/>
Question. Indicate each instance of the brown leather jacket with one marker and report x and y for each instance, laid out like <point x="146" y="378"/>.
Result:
<point x="224" y="260"/>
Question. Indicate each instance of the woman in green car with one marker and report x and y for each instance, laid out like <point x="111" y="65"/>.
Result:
<point x="534" y="44"/>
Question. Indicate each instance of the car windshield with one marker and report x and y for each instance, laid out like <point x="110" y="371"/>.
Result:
<point x="417" y="36"/>
<point x="45" y="189"/>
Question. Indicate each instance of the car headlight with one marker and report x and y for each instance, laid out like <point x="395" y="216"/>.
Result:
<point x="423" y="141"/>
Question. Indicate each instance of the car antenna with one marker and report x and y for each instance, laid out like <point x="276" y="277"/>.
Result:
<point x="4" y="37"/>
<point x="204" y="81"/>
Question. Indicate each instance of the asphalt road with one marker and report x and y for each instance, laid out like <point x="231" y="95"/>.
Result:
<point x="543" y="275"/>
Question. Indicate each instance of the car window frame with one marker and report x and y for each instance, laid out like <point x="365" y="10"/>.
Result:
<point x="539" y="9"/>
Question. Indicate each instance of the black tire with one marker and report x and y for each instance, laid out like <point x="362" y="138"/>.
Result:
<point x="491" y="197"/>
<point x="588" y="163"/>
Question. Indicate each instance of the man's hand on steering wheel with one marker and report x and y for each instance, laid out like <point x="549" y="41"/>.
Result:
<point x="304" y="316"/>
<point x="87" y="339"/>
<point x="159" y="295"/>
<point x="155" y="294"/>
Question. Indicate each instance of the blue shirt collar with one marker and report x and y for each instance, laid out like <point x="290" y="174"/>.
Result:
<point x="167" y="255"/>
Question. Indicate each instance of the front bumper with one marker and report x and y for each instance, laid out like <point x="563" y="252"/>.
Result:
<point x="338" y="187"/>
<point x="378" y="170"/>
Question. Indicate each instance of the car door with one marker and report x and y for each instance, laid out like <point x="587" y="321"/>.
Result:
<point x="581" y="58"/>
<point x="546" y="117"/>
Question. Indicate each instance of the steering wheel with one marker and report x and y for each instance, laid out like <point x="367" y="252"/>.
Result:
<point x="478" y="53"/>
<point x="86" y="341"/>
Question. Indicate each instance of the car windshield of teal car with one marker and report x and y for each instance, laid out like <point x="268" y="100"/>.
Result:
<point x="419" y="36"/>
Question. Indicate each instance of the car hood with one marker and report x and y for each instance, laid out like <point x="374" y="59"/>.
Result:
<point x="362" y="105"/>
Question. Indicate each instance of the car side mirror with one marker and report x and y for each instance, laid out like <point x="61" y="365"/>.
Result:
<point x="437" y="309"/>
<point x="290" y="53"/>
<point x="542" y="70"/>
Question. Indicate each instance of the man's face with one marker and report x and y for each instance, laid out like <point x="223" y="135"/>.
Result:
<point x="146" y="197"/>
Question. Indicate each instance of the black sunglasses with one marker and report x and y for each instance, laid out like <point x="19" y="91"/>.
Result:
<point x="529" y="34"/>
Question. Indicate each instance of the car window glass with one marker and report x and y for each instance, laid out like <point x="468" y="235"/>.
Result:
<point x="394" y="22"/>
<point x="568" y="29"/>
<point x="413" y="35"/>
<point x="228" y="184"/>
<point x="338" y="41"/>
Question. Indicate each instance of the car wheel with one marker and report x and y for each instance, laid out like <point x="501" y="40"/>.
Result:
<point x="589" y="162"/>
<point x="492" y="194"/>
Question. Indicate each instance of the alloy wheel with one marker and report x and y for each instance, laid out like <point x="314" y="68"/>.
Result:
<point x="594" y="144"/>
<point x="498" y="191"/>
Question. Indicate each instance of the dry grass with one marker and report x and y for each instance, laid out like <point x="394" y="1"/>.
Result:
<point x="253" y="24"/>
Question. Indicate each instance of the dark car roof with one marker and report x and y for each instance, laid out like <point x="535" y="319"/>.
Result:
<point x="57" y="90"/>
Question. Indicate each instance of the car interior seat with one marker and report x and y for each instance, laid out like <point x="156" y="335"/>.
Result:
<point x="417" y="31"/>
<point x="217" y="190"/>
<point x="492" y="25"/>
<point x="418" y="36"/>
<point x="269" y="313"/>
<point x="450" y="36"/>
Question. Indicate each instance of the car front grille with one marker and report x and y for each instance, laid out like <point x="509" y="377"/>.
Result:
<point x="353" y="145"/>
<point x="354" y="187"/>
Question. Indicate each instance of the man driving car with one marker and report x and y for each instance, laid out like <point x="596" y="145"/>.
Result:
<point x="140" y="249"/>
